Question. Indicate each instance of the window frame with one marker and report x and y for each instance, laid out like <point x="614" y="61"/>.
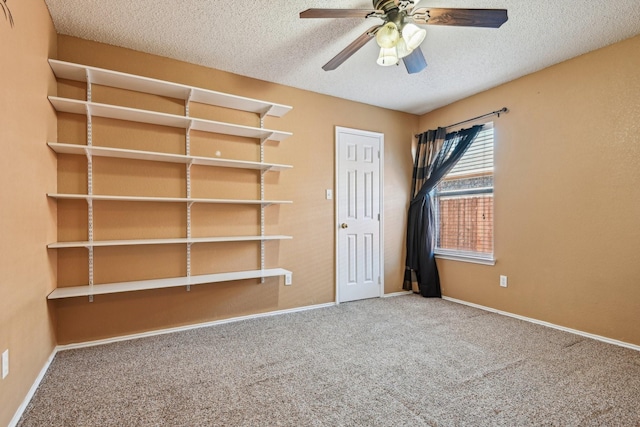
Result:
<point x="462" y="255"/>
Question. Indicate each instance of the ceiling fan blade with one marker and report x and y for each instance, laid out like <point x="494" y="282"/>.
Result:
<point x="490" y="18"/>
<point x="338" y="13"/>
<point x="415" y="61"/>
<point x="351" y="49"/>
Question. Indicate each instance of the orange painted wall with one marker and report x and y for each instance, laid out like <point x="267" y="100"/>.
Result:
<point x="567" y="195"/>
<point x="28" y="170"/>
<point x="310" y="219"/>
<point x="566" y="187"/>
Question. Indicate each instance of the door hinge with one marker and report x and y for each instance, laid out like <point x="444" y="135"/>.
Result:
<point x="379" y="281"/>
<point x="378" y="217"/>
<point x="378" y="153"/>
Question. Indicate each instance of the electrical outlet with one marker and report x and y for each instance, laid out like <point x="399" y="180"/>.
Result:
<point x="5" y="364"/>
<point x="503" y="281"/>
<point x="287" y="279"/>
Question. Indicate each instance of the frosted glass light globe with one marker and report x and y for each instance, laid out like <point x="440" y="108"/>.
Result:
<point x="388" y="57"/>
<point x="388" y="36"/>
<point x="402" y="49"/>
<point x="413" y="35"/>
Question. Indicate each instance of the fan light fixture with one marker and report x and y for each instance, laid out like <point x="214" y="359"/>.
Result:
<point x="388" y="56"/>
<point x="413" y="35"/>
<point x="402" y="49"/>
<point x="396" y="43"/>
<point x="388" y="36"/>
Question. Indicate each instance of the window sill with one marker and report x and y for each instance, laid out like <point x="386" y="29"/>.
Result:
<point x="472" y="258"/>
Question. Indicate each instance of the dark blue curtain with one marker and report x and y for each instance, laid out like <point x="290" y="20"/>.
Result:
<point x="437" y="153"/>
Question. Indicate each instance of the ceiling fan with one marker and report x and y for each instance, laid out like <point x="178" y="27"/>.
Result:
<point x="398" y="36"/>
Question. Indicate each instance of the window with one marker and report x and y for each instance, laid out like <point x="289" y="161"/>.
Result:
<point x="464" y="204"/>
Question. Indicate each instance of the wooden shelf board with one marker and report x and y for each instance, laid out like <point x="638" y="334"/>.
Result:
<point x="111" y="288"/>
<point x="97" y="197"/>
<point x="100" y="76"/>
<point x="122" y="153"/>
<point x="75" y="106"/>
<point x="182" y="241"/>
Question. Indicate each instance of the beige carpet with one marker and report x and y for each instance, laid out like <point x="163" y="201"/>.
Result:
<point x="403" y="361"/>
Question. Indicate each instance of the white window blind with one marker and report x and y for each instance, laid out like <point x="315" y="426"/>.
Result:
<point x="464" y="203"/>
<point x="479" y="157"/>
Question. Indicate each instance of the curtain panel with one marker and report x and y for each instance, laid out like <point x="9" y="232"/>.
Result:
<point x="437" y="153"/>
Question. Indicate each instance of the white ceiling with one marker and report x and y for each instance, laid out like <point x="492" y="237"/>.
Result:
<point x="267" y="40"/>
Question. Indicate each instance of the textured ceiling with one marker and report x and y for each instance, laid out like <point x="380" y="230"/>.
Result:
<point x="267" y="40"/>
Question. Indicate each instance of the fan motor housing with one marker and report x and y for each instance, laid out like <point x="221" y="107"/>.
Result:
<point x="385" y="5"/>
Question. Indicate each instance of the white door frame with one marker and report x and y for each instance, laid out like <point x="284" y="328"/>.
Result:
<point x="337" y="199"/>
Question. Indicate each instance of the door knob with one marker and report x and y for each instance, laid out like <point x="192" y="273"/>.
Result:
<point x="344" y="225"/>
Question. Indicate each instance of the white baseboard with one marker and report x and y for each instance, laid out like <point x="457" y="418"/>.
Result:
<point x="397" y="294"/>
<point x="190" y="327"/>
<point x="547" y="324"/>
<point x="32" y="390"/>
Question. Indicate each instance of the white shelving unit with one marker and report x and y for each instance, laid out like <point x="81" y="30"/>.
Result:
<point x="178" y="241"/>
<point x="93" y="75"/>
<point x="163" y="157"/>
<point x="98" y="197"/>
<point x="173" y="282"/>
<point x="99" y="76"/>
<point x="95" y="109"/>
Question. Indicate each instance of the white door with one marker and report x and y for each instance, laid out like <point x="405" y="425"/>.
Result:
<point x="359" y="222"/>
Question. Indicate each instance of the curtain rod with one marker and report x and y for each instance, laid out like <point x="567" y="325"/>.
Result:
<point x="493" y="113"/>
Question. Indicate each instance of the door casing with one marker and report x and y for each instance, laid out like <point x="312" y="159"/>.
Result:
<point x="338" y="130"/>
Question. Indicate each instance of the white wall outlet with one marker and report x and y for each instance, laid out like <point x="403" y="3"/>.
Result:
<point x="5" y="363"/>
<point x="288" y="279"/>
<point x="329" y="194"/>
<point x="503" y="281"/>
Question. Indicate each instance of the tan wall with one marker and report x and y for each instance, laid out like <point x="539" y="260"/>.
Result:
<point x="28" y="170"/>
<point x="310" y="219"/>
<point x="567" y="195"/>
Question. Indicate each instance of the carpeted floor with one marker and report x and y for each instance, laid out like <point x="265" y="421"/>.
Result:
<point x="402" y="361"/>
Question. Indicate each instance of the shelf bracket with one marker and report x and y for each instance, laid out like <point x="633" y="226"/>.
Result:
<point x="89" y="83"/>
<point x="264" y="113"/>
<point x="188" y="266"/>
<point x="188" y="166"/>
<point x="266" y="138"/>
<point x="187" y="102"/>
<point x="262" y="206"/>
<point x="188" y="138"/>
<point x="189" y="260"/>
<point x="90" y="181"/>
<point x="90" y="237"/>
<point x="89" y="126"/>
<point x="187" y="151"/>
<point x="189" y="204"/>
